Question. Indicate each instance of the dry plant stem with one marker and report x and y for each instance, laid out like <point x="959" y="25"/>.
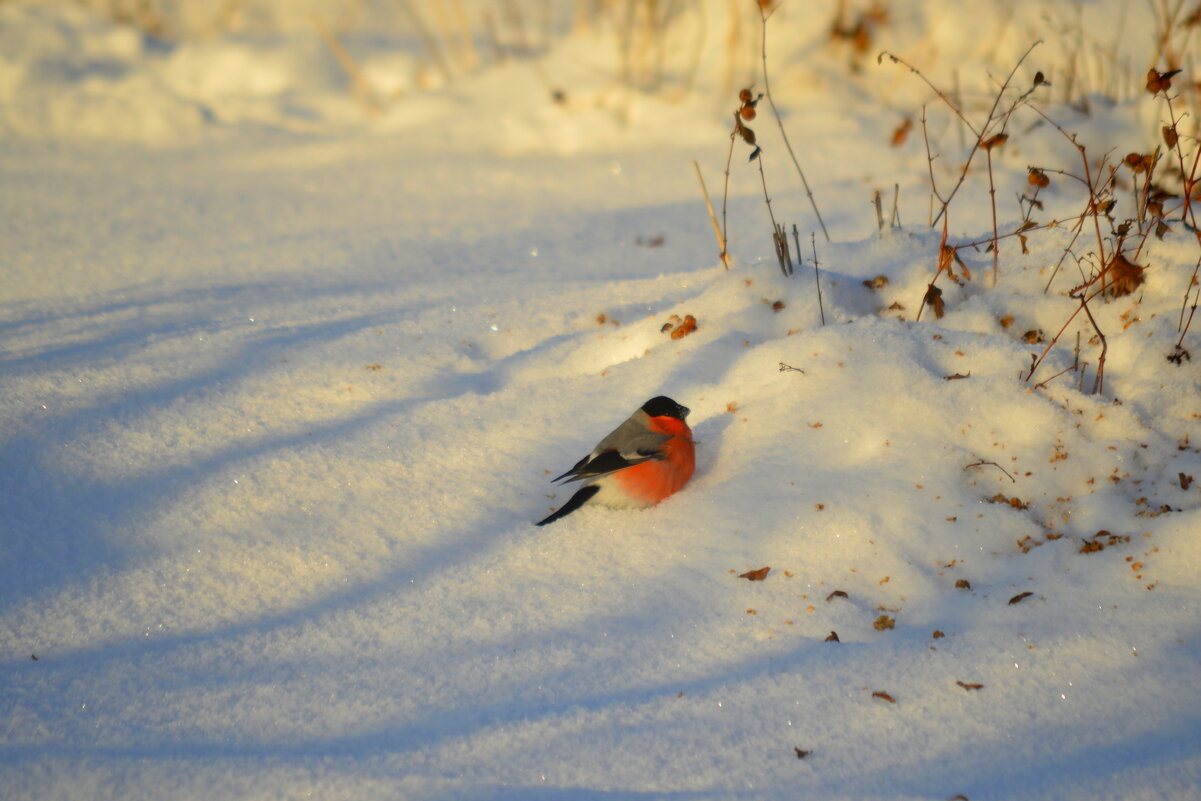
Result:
<point x="979" y="134"/>
<point x="777" y="231"/>
<point x="721" y="240"/>
<point x="1077" y="229"/>
<point x="1099" y="381"/>
<point x="1192" y="311"/>
<point x="992" y="197"/>
<point x="1141" y="201"/>
<point x="1078" y="293"/>
<point x="1069" y="369"/>
<point x="1188" y="290"/>
<point x="763" y="15"/>
<point x="1185" y="177"/>
<point x="1092" y="207"/>
<point x="942" y="245"/>
<point x="725" y="190"/>
<point x="816" y="273"/>
<point x="930" y="166"/>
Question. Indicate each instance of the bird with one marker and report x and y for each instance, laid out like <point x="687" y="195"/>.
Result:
<point x="645" y="459"/>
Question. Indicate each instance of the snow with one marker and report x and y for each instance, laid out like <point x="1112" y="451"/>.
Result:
<point x="283" y="383"/>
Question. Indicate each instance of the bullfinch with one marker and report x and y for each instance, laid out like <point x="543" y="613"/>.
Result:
<point x="641" y="462"/>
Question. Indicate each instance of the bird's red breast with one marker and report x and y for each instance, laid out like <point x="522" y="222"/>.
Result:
<point x="651" y="482"/>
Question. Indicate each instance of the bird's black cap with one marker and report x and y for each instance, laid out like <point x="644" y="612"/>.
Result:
<point x="664" y="406"/>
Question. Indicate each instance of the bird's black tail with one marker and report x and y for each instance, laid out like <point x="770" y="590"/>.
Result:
<point x="582" y="496"/>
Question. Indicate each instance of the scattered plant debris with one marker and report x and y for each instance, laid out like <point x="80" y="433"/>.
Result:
<point x="833" y="637"/>
<point x="883" y="696"/>
<point x="884" y="622"/>
<point x="1016" y="503"/>
<point x="970" y="687"/>
<point x="679" y="328"/>
<point x="755" y="575"/>
<point x="1021" y="596"/>
<point x="836" y="594"/>
<point x="1101" y="540"/>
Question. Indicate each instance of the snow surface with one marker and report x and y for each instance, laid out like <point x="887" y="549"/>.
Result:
<point x="282" y="385"/>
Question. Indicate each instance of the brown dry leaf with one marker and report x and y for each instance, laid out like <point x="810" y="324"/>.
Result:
<point x="1038" y="178"/>
<point x="1006" y="321"/>
<point x="374" y="367"/>
<point x="685" y="328"/>
<point x="755" y="575"/>
<point x="938" y="635"/>
<point x="1136" y="162"/>
<point x="996" y="140"/>
<point x="883" y="623"/>
<point x="836" y="594"/>
<point x="934" y="299"/>
<point x="731" y="407"/>
<point x="1170" y="137"/>
<point x="963" y="584"/>
<point x="1127" y="276"/>
<point x="777" y="306"/>
<point x="902" y="132"/>
<point x="833" y="637"/>
<point x="956" y="376"/>
<point x="1159" y="81"/>
<point x="1021" y="596"/>
<point x="1034" y="336"/>
<point x="800" y="754"/>
<point x="1016" y="503"/>
<point x="883" y="696"/>
<point x="1185" y="481"/>
<point x="970" y="687"/>
<point x="879" y="282"/>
